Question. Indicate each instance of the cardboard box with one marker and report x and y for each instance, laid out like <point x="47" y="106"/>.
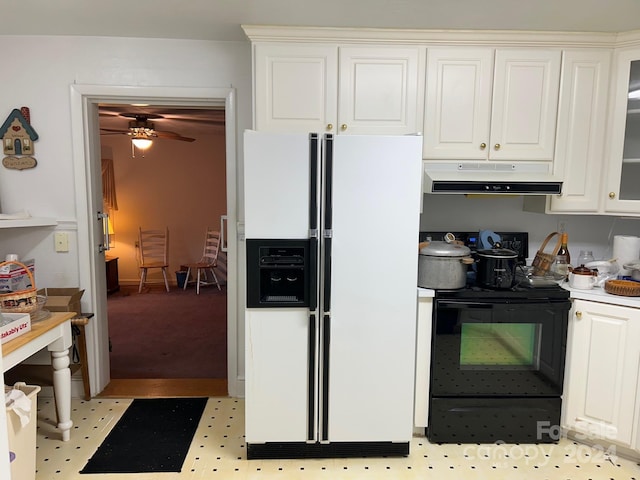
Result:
<point x="18" y="324"/>
<point x="62" y="299"/>
<point x="14" y="278"/>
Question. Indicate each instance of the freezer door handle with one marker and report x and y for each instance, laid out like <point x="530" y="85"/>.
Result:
<point x="312" y="365"/>
<point x="313" y="182"/>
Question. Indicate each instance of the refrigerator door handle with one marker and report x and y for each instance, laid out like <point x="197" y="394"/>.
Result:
<point x="324" y="408"/>
<point x="327" y="220"/>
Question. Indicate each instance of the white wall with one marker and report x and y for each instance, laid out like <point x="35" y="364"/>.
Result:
<point x="39" y="76"/>
<point x="462" y="213"/>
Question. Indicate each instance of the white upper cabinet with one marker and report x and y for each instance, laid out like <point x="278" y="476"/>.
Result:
<point x="295" y="87"/>
<point x="622" y="194"/>
<point x="491" y="104"/>
<point x="580" y="141"/>
<point x="331" y="89"/>
<point x="378" y="90"/>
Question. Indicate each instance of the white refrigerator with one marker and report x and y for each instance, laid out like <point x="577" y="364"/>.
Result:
<point x="335" y="377"/>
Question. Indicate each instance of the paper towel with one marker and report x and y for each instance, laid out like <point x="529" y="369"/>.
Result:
<point x="19" y="403"/>
<point x="625" y="249"/>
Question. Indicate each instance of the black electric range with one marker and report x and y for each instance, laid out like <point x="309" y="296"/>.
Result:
<point x="497" y="357"/>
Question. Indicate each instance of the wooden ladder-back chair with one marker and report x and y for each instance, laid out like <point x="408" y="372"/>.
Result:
<point x="154" y="245"/>
<point x="208" y="261"/>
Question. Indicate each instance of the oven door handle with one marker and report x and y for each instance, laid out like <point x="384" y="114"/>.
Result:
<point x="463" y="304"/>
<point x="496" y="303"/>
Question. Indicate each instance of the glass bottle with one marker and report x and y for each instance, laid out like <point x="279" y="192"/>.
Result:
<point x="585" y="257"/>
<point x="564" y="250"/>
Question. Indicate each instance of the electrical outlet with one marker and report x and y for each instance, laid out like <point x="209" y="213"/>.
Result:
<point x="562" y="226"/>
<point x="61" y="240"/>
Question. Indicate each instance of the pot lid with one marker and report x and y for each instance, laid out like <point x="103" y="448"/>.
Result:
<point x="582" y="270"/>
<point x="498" y="253"/>
<point x="444" y="249"/>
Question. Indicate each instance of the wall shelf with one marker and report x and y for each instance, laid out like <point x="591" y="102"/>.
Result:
<point x="29" y="222"/>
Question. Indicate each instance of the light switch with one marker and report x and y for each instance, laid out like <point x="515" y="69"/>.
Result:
<point x="61" y="240"/>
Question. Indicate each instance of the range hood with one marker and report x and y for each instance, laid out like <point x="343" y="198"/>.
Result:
<point x="490" y="178"/>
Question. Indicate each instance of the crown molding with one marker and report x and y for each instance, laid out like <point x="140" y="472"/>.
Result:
<point x="301" y="34"/>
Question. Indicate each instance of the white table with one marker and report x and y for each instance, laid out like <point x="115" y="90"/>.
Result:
<point x="55" y="334"/>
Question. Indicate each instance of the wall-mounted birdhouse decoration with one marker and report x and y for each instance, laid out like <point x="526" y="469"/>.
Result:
<point x="18" y="137"/>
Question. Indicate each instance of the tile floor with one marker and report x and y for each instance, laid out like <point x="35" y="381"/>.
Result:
<point x="218" y="451"/>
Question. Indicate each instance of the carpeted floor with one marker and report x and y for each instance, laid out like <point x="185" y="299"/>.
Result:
<point x="176" y="334"/>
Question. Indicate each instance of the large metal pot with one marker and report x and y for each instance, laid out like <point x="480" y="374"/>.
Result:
<point x="443" y="266"/>
<point x="496" y="267"/>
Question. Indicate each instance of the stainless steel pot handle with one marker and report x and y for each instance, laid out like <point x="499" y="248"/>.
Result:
<point x="467" y="260"/>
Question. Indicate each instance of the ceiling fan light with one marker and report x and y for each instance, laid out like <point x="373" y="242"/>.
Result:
<point x="142" y="143"/>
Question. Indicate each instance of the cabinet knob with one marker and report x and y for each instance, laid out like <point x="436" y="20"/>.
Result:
<point x="330" y="126"/>
<point x="483" y="146"/>
<point x="343" y="127"/>
<point x="497" y="146"/>
<point x="612" y="195"/>
<point x="578" y="315"/>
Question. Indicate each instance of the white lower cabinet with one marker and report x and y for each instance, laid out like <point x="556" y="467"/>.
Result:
<point x="601" y="380"/>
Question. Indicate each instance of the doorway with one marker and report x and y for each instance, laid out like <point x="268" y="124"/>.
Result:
<point x="84" y="102"/>
<point x="177" y="183"/>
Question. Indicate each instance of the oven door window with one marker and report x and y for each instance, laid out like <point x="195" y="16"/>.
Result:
<point x="498" y="349"/>
<point x="500" y="346"/>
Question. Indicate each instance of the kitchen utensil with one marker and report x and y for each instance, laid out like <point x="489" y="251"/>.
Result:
<point x="544" y="258"/>
<point x="487" y="238"/>
<point x="634" y="269"/>
<point x="496" y="267"/>
<point x="443" y="265"/>
<point x="582" y="278"/>
<point x="627" y="288"/>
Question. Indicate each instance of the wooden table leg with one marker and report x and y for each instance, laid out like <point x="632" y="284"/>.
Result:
<point x="82" y="353"/>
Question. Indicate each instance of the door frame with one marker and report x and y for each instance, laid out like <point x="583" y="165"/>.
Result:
<point x="86" y="156"/>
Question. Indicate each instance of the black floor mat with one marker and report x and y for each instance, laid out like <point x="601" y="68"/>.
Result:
<point x="153" y="435"/>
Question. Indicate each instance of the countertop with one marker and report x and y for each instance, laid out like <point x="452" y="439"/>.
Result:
<point x="595" y="295"/>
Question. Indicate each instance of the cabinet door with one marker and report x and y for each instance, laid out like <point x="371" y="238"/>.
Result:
<point x="378" y="90"/>
<point x="295" y="87"/>
<point x="525" y="103"/>
<point x="458" y="103"/>
<point x="602" y="371"/>
<point x="580" y="138"/>
<point x="623" y="174"/>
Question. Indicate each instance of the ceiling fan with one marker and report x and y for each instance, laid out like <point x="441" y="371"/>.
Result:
<point x="142" y="131"/>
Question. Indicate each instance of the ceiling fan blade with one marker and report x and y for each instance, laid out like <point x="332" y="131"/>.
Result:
<point x="113" y="130"/>
<point x="173" y="136"/>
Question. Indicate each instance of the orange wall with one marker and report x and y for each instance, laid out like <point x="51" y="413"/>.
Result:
<point x="176" y="184"/>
